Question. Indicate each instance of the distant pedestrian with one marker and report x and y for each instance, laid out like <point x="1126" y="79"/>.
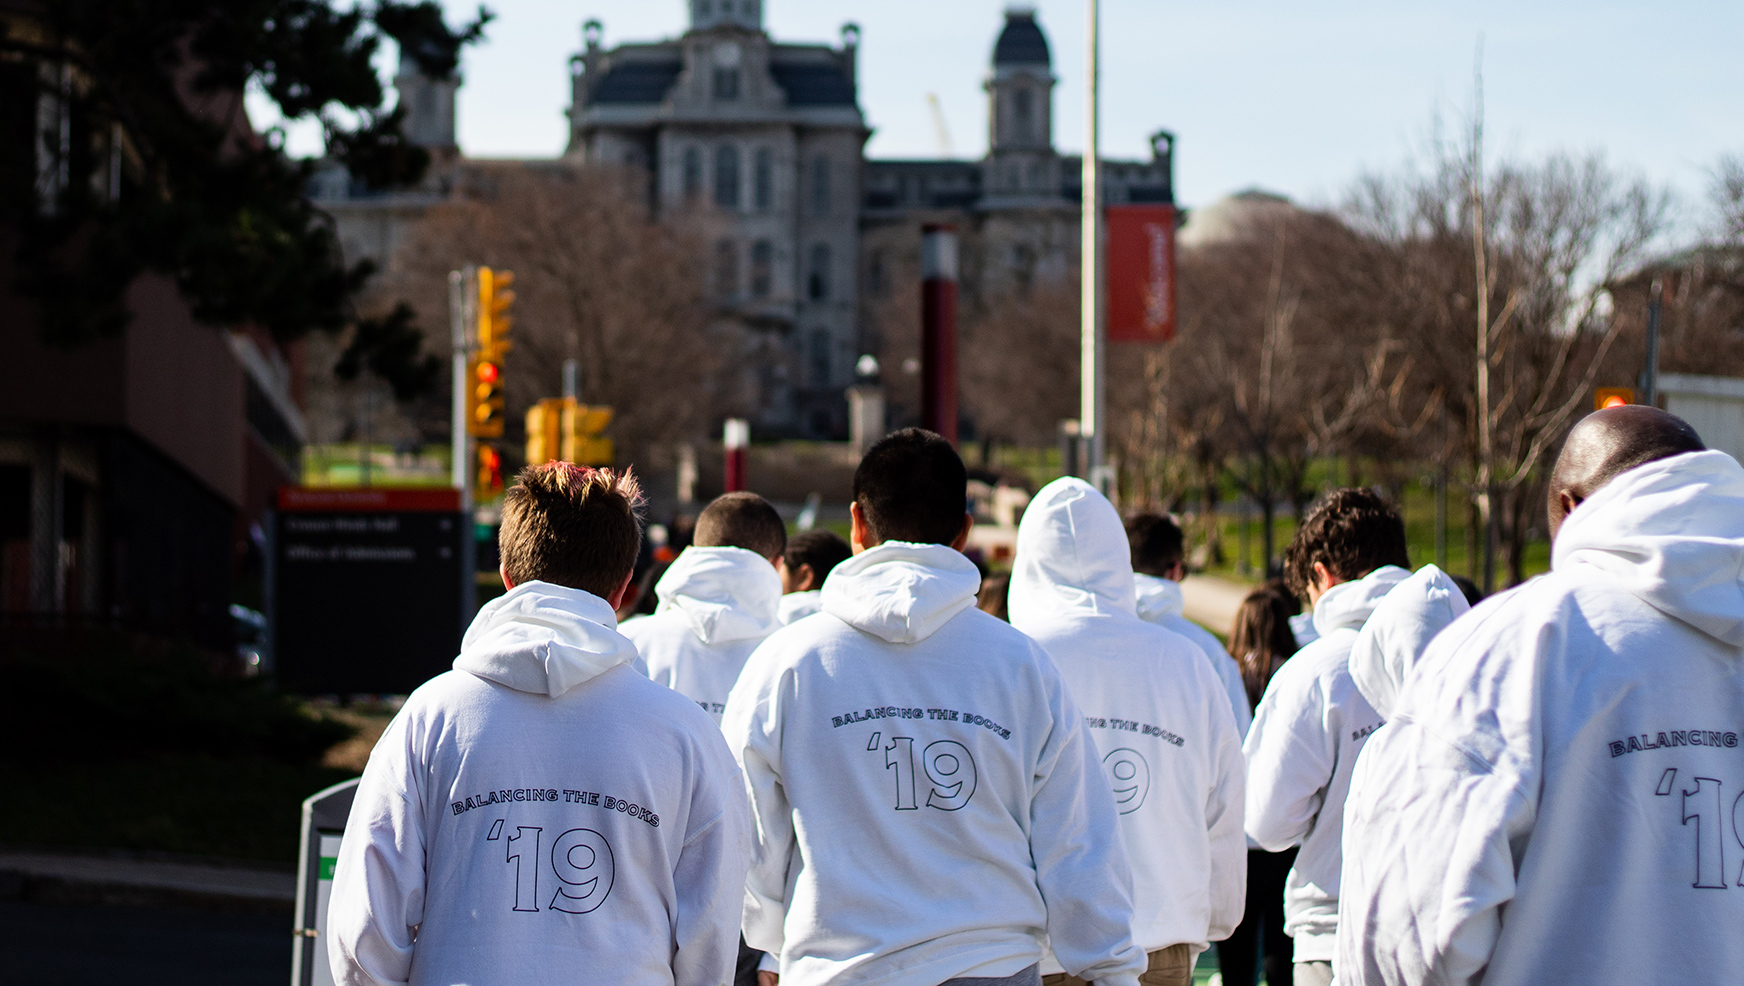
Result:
<point x="927" y="802"/>
<point x="1159" y="563"/>
<point x="994" y="596"/>
<point x="718" y="600"/>
<point x="1312" y="722"/>
<point x="1156" y="714"/>
<point x="807" y="562"/>
<point x="1555" y="797"/>
<point x="1262" y="642"/>
<point x="542" y="812"/>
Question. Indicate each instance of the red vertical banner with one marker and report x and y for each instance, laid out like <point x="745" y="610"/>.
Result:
<point x="1140" y="272"/>
<point x="938" y="329"/>
<point x="736" y="438"/>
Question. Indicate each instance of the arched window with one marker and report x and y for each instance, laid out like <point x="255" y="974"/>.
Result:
<point x="726" y="268"/>
<point x="820" y="185"/>
<point x="692" y="173"/>
<point x="818" y="280"/>
<point x="727" y="176"/>
<point x="762" y="269"/>
<point x="763" y="180"/>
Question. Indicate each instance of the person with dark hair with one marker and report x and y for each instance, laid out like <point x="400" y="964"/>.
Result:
<point x="807" y="562"/>
<point x="1262" y="640"/>
<point x="1159" y="563"/>
<point x="994" y="597"/>
<point x="1473" y="594"/>
<point x="1555" y="795"/>
<point x="718" y="600"/>
<point x="1312" y="721"/>
<point x="1177" y="780"/>
<point x="511" y="796"/>
<point x="927" y="804"/>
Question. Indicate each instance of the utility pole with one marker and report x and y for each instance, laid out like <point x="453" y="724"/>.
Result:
<point x="1092" y="416"/>
<point x="460" y="318"/>
<point x="1650" y="374"/>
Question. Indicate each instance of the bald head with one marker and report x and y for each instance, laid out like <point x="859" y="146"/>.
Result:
<point x="1608" y="443"/>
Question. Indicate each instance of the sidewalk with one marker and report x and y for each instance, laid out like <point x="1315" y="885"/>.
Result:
<point x="1211" y="601"/>
<point x="43" y="877"/>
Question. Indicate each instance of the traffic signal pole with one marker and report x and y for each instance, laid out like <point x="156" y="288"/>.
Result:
<point x="460" y="319"/>
<point x="1092" y="403"/>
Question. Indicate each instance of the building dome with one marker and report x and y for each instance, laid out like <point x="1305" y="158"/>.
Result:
<point x="1022" y="42"/>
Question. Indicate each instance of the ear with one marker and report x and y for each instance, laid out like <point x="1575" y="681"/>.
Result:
<point x="961" y="541"/>
<point x="503" y="570"/>
<point x="805" y="579"/>
<point x="1177" y="572"/>
<point x="858" y="533"/>
<point x="616" y="599"/>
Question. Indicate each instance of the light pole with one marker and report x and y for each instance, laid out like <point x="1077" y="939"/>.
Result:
<point x="1092" y="402"/>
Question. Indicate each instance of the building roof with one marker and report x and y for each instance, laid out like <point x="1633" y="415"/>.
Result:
<point x="1022" y="42"/>
<point x="637" y="81"/>
<point x="813" y="83"/>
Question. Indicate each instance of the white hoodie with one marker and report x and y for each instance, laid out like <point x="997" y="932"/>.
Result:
<point x="797" y="606"/>
<point x="1399" y="631"/>
<point x="926" y="800"/>
<point x="1556" y="795"/>
<point x="1155" y="711"/>
<point x="1160" y="602"/>
<point x="716" y="606"/>
<point x="1310" y="726"/>
<point x="541" y="813"/>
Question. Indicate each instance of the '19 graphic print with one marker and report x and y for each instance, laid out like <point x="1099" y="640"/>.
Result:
<point x="581" y="861"/>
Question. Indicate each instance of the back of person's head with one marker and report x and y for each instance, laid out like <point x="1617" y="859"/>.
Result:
<point x="1282" y="588"/>
<point x="1157" y="544"/>
<point x="1468" y="588"/>
<point x="1352" y="531"/>
<point x="1261" y="638"/>
<point x="741" y="520"/>
<point x="571" y="526"/>
<point x="819" y="550"/>
<point x="912" y="486"/>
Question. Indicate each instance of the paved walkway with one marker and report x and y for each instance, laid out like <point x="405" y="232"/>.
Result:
<point x="1211" y="601"/>
<point x="119" y="879"/>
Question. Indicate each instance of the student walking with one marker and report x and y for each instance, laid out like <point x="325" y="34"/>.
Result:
<point x="542" y="812"/>
<point x="1312" y="721"/>
<point x="1159" y="563"/>
<point x="807" y="562"/>
<point x="1155" y="709"/>
<point x="1555" y="797"/>
<point x="1261" y="635"/>
<point x="927" y="803"/>
<point x="717" y="601"/>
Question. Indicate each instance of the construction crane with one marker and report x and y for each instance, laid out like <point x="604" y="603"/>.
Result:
<point x="940" y="131"/>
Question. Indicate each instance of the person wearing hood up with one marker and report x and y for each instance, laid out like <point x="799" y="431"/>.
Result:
<point x="718" y="601"/>
<point x="1159" y="563"/>
<point x="543" y="812"/>
<point x="927" y="804"/>
<point x="1556" y="796"/>
<point x="807" y="562"/>
<point x="1154" y="707"/>
<point x="1312" y="722"/>
<point x="1399" y="631"/>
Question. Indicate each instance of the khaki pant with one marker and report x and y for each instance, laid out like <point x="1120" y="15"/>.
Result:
<point x="1172" y="966"/>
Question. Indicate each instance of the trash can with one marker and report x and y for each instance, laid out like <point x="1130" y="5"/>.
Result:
<point x="324" y="816"/>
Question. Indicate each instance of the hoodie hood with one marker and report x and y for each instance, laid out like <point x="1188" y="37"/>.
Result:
<point x="1348" y="604"/>
<point x="1399" y="631"/>
<point x="797" y="606"/>
<point x="724" y="594"/>
<point x="1072" y="556"/>
<point x="543" y="639"/>
<point x="1671" y="533"/>
<point x="1158" y="598"/>
<point x="901" y="592"/>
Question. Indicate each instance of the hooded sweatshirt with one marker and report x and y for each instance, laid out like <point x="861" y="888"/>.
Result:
<point x="1556" y="796"/>
<point x="926" y="801"/>
<point x="1160" y="602"/>
<point x="799" y="605"/>
<point x="716" y="606"/>
<point x="1310" y="726"/>
<point x="1399" y="631"/>
<point x="1156" y="714"/>
<point x="540" y="813"/>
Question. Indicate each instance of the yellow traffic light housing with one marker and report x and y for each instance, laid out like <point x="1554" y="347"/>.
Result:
<point x="545" y="430"/>
<point x="484" y="401"/>
<point x="488" y="473"/>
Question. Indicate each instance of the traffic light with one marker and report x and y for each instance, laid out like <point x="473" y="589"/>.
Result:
<point x="582" y="442"/>
<point x="545" y="430"/>
<point x="484" y="418"/>
<point x="488" y="476"/>
<point x="1604" y="397"/>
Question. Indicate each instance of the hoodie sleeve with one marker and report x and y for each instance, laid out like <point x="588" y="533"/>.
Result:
<point x="1225" y="808"/>
<point x="1429" y="861"/>
<point x="377" y="900"/>
<point x="1080" y="860"/>
<point x="710" y="876"/>
<point x="1290" y="758"/>
<point x="752" y="726"/>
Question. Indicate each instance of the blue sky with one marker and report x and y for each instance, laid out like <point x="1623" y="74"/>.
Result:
<point x="1294" y="97"/>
